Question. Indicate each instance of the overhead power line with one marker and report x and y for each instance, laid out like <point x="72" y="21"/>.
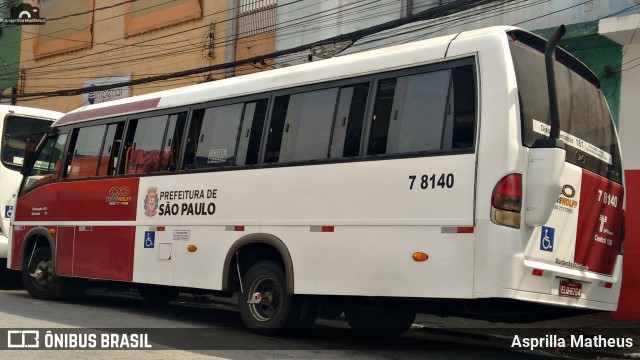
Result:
<point x="432" y="13"/>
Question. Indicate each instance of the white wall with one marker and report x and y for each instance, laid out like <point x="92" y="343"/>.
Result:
<point x="625" y="30"/>
<point x="629" y="129"/>
<point x="306" y="22"/>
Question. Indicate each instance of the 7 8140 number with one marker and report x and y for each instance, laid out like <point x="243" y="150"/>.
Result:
<point x="431" y="181"/>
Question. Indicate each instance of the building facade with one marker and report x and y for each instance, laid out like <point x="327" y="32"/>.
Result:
<point x="9" y="53"/>
<point x="88" y="43"/>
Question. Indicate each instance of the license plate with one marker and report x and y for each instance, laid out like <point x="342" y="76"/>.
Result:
<point x="570" y="288"/>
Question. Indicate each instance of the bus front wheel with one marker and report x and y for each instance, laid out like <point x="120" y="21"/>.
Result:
<point x="38" y="275"/>
<point x="266" y="307"/>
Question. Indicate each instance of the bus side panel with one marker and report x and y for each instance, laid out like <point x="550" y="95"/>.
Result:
<point x="555" y="243"/>
<point x="96" y="233"/>
<point x="17" y="238"/>
<point x="599" y="229"/>
<point x="104" y="252"/>
<point x="379" y="213"/>
<point x="584" y="230"/>
<point x="93" y="201"/>
<point x="377" y="261"/>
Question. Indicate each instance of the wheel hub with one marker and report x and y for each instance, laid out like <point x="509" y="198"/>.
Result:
<point x="264" y="302"/>
<point x="42" y="274"/>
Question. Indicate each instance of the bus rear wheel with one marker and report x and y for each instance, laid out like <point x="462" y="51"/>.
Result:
<point x="38" y="275"/>
<point x="266" y="307"/>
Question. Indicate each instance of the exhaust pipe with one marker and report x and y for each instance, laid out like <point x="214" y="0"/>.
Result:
<point x="549" y="53"/>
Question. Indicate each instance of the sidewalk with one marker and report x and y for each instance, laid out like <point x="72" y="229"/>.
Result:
<point x="587" y="336"/>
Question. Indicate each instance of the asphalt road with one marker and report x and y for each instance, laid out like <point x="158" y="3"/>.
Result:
<point x="191" y="329"/>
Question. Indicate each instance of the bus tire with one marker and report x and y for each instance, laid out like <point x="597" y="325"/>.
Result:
<point x="38" y="276"/>
<point x="157" y="294"/>
<point x="265" y="305"/>
<point x="388" y="320"/>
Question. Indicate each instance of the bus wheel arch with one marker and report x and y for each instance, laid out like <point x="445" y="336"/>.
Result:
<point x="36" y="238"/>
<point x="38" y="269"/>
<point x="253" y="248"/>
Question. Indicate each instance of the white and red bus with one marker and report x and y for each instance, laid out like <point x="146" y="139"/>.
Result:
<point x="17" y="124"/>
<point x="439" y="169"/>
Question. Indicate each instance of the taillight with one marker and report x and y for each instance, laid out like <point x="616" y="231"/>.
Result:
<point x="506" y="201"/>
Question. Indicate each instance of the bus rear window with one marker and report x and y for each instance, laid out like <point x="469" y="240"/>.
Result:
<point x="586" y="126"/>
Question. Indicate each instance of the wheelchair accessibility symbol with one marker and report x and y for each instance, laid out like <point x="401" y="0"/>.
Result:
<point x="546" y="238"/>
<point x="149" y="239"/>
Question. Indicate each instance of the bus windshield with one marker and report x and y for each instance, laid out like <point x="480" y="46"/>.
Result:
<point x="17" y="129"/>
<point x="586" y="126"/>
<point x="48" y="161"/>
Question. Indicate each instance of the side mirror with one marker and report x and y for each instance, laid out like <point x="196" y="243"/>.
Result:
<point x="543" y="186"/>
<point x="29" y="157"/>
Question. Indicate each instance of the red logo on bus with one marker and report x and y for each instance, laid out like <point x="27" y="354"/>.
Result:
<point x="151" y="202"/>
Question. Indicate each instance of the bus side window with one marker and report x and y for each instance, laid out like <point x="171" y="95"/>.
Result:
<point x="84" y="152"/>
<point x="143" y="144"/>
<point x="347" y="127"/>
<point x="109" y="154"/>
<point x="172" y="143"/>
<point x="276" y="129"/>
<point x="226" y="135"/>
<point x="464" y="109"/>
<point x="410" y="113"/>
<point x="213" y="136"/>
<point x="255" y="114"/>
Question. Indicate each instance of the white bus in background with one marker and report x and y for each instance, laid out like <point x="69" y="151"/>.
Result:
<point x="434" y="170"/>
<point x="17" y="124"/>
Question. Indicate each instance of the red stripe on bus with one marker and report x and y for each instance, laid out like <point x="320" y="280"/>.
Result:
<point x="465" y="230"/>
<point x="599" y="228"/>
<point x="109" y="111"/>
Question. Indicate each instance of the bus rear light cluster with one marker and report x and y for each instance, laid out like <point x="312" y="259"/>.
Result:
<point x="506" y="201"/>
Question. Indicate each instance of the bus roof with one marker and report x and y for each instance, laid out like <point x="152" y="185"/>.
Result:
<point x="337" y="68"/>
<point x="29" y="111"/>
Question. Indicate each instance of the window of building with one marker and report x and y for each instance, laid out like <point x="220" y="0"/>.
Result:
<point x="64" y="31"/>
<point x="256" y="17"/>
<point x="146" y="15"/>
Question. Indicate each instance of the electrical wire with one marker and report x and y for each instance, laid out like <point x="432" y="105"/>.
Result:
<point x="286" y="30"/>
<point x="443" y="10"/>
